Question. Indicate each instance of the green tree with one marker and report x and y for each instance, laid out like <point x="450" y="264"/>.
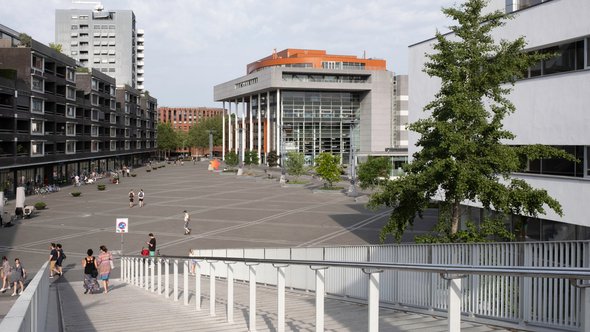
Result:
<point x="272" y="159"/>
<point x="57" y="47"/>
<point x="461" y="156"/>
<point x="166" y="137"/>
<point x="182" y="140"/>
<point x="328" y="168"/>
<point x="231" y="159"/>
<point x="199" y="134"/>
<point x="374" y="172"/>
<point x="25" y="39"/>
<point x="251" y="158"/>
<point x="295" y="163"/>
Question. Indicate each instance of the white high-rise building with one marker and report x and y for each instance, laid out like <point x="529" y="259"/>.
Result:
<point x="551" y="105"/>
<point x="106" y="40"/>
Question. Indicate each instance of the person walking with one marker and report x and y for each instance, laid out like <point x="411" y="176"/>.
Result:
<point x="131" y="198"/>
<point x="60" y="258"/>
<point x="90" y="272"/>
<point x="104" y="267"/>
<point x="152" y="245"/>
<point x="18" y="277"/>
<point x="6" y="271"/>
<point x="187" y="219"/>
<point x="140" y="197"/>
<point x="52" y="260"/>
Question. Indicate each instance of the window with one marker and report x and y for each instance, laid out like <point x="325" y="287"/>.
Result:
<point x="569" y="57"/>
<point x="558" y="166"/>
<point x="70" y="74"/>
<point x="138" y="144"/>
<point x="37" y="84"/>
<point x="113" y="132"/>
<point x="37" y="62"/>
<point x="74" y="27"/>
<point x="37" y="149"/>
<point x="37" y="105"/>
<point x="113" y="146"/>
<point x="96" y="60"/>
<point x="105" y="52"/>
<point x="127" y="121"/>
<point x="96" y="43"/>
<point x="331" y="65"/>
<point x="70" y="147"/>
<point x="70" y="111"/>
<point x="70" y="129"/>
<point x="94" y="100"/>
<point x="94" y="84"/>
<point x="126" y="109"/>
<point x="113" y="90"/>
<point x="96" y="52"/>
<point x="126" y="96"/>
<point x="94" y="115"/>
<point x="147" y="144"/>
<point x="138" y="133"/>
<point x="127" y="145"/>
<point x="74" y="52"/>
<point x="127" y="130"/>
<point x="94" y="146"/>
<point x="94" y="131"/>
<point x="37" y="127"/>
<point x="70" y="93"/>
<point x="113" y="104"/>
<point x="113" y="118"/>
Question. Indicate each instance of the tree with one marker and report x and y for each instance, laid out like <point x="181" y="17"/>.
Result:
<point x="57" y="47"/>
<point x="295" y="163"/>
<point x="231" y="159"/>
<point x="461" y="156"/>
<point x="328" y="168"/>
<point x="25" y="40"/>
<point x="166" y="137"/>
<point x="374" y="172"/>
<point x="272" y="159"/>
<point x="182" y="140"/>
<point x="199" y="134"/>
<point x="251" y="158"/>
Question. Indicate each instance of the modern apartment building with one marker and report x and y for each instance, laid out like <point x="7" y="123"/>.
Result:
<point x="105" y="40"/>
<point x="183" y="118"/>
<point x="58" y="119"/>
<point x="312" y="102"/>
<point x="551" y="105"/>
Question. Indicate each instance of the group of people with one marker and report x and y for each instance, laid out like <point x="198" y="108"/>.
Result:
<point x="56" y="258"/>
<point x="12" y="276"/>
<point x="140" y="197"/>
<point x="97" y="268"/>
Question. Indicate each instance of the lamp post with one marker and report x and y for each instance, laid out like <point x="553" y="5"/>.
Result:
<point x="211" y="143"/>
<point x="240" y="166"/>
<point x="283" y="180"/>
<point x="352" y="162"/>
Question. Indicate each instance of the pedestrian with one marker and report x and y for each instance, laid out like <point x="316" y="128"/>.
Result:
<point x="187" y="219"/>
<point x="191" y="253"/>
<point x="140" y="197"/>
<point x="18" y="277"/>
<point x="52" y="260"/>
<point x="131" y="198"/>
<point x="60" y="258"/>
<point x="104" y="263"/>
<point x="128" y="172"/>
<point x="90" y="272"/>
<point x="77" y="180"/>
<point x="6" y="270"/>
<point x="152" y="245"/>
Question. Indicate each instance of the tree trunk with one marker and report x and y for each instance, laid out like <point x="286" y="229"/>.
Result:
<point x="455" y="217"/>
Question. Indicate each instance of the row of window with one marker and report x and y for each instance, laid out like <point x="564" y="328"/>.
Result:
<point x="38" y="66"/>
<point x="95" y="27"/>
<point x="38" y="147"/>
<point x="301" y="77"/>
<point x="342" y="65"/>
<point x="568" y="57"/>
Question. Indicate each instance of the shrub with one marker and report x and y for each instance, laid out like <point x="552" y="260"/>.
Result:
<point x="133" y="175"/>
<point x="295" y="163"/>
<point x="76" y="193"/>
<point x="272" y="159"/>
<point x="328" y="168"/>
<point x="231" y="159"/>
<point x="40" y="205"/>
<point x="101" y="187"/>
<point x="148" y="170"/>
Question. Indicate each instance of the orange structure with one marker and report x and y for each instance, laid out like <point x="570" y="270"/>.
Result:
<point x="292" y="57"/>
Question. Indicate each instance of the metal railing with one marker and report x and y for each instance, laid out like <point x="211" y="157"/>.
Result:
<point x="136" y="272"/>
<point x="29" y="312"/>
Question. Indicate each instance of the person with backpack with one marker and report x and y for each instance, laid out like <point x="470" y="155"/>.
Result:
<point x="60" y="258"/>
<point x="131" y="198"/>
<point x="90" y="273"/>
<point x="140" y="196"/>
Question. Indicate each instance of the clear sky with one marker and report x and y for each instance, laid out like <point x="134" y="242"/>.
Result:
<point x="192" y="45"/>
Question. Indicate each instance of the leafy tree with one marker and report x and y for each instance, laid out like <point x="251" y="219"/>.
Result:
<point x="272" y="159"/>
<point x="295" y="163"/>
<point x="231" y="159"/>
<point x="461" y="156"/>
<point x="251" y="158"/>
<point x="182" y="140"/>
<point x="166" y="137"/>
<point x="328" y="168"/>
<point x="25" y="39"/>
<point x="374" y="172"/>
<point x="199" y="134"/>
<point x="57" y="47"/>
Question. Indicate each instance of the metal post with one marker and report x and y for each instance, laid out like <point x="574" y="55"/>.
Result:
<point x="230" y="293"/>
<point x="282" y="179"/>
<point x="185" y="286"/>
<point x="454" y="305"/>
<point x="167" y="278"/>
<point x="374" y="302"/>
<point x="281" y="298"/>
<point x="198" y="288"/>
<point x="175" y="280"/>
<point x="319" y="299"/>
<point x="212" y="288"/>
<point x="252" y="313"/>
<point x="210" y="144"/>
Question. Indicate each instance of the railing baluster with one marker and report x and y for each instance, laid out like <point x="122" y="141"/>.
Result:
<point x="153" y="271"/>
<point x="320" y="281"/>
<point x="185" y="286"/>
<point x="454" y="305"/>
<point x="198" y="287"/>
<point x="159" y="262"/>
<point x="167" y="278"/>
<point x="146" y="277"/>
<point x="252" y="313"/>
<point x="230" y="293"/>
<point x="373" y="301"/>
<point x="211" y="288"/>
<point x="135" y="272"/>
<point x="281" y="298"/>
<point x="175" y="280"/>
<point x="140" y="267"/>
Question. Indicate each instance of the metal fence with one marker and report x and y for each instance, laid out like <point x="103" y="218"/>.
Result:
<point x="523" y="301"/>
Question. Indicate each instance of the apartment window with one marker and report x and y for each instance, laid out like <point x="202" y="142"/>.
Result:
<point x="74" y="52"/>
<point x="83" y="34"/>
<point x="37" y="84"/>
<point x="147" y="133"/>
<point x="74" y="17"/>
<point x="127" y="130"/>
<point x="74" y="35"/>
<point x="126" y="109"/>
<point x="37" y="62"/>
<point x="111" y="70"/>
<point x="94" y="84"/>
<point x="96" y="60"/>
<point x="70" y="111"/>
<point x="138" y="112"/>
<point x="127" y="121"/>
<point x="37" y="127"/>
<point x="113" y="146"/>
<point x="94" y="100"/>
<point x="127" y="145"/>
<point x="112" y="43"/>
<point x="113" y="90"/>
<point x="37" y="148"/>
<point x="94" y="131"/>
<point x="147" y="144"/>
<point x="37" y="105"/>
<point x="104" y="52"/>
<point x="84" y="17"/>
<point x="138" y="133"/>
<point x="74" y="43"/>
<point x="83" y="26"/>
<point x="138" y="145"/>
<point x="70" y="74"/>
<point x="70" y="129"/>
<point x="112" y="27"/>
<point x="111" y="60"/>
<point x="113" y="132"/>
<point x="96" y="52"/>
<point x="96" y="34"/>
<point x="96" y="43"/>
<point x="74" y="27"/>
<point x="113" y="104"/>
<point x="94" y="146"/>
<point x="126" y="96"/>
<point x="113" y="118"/>
<point x="94" y="115"/>
<point x="96" y="27"/>
<point x="70" y="93"/>
<point x="70" y="147"/>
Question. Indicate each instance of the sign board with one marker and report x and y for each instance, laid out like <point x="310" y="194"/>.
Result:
<point x="122" y="225"/>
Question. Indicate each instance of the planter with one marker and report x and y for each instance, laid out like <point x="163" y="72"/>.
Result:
<point x="133" y="175"/>
<point x="101" y="187"/>
<point x="40" y="205"/>
<point x="148" y="170"/>
<point x="76" y="193"/>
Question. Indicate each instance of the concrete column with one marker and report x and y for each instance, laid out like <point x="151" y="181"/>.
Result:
<point x="243" y="128"/>
<point x="278" y="123"/>
<point x="259" y="143"/>
<point x="454" y="305"/>
<point x="250" y="127"/>
<point x="236" y="126"/>
<point x="268" y="130"/>
<point x="222" y="133"/>
<point x="229" y="129"/>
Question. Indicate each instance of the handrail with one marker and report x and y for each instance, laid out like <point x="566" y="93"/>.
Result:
<point x="521" y="271"/>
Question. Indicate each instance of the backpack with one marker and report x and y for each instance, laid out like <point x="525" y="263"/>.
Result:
<point x="63" y="255"/>
<point x="140" y="195"/>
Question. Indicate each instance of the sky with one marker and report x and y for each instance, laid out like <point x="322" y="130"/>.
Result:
<point x="193" y="45"/>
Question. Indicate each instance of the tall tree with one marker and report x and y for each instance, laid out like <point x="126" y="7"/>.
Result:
<point x="199" y="134"/>
<point x="461" y="156"/>
<point x="166" y="137"/>
<point x="374" y="172"/>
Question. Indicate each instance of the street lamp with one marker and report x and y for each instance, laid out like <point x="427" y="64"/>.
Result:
<point x="283" y="179"/>
<point x="211" y="143"/>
